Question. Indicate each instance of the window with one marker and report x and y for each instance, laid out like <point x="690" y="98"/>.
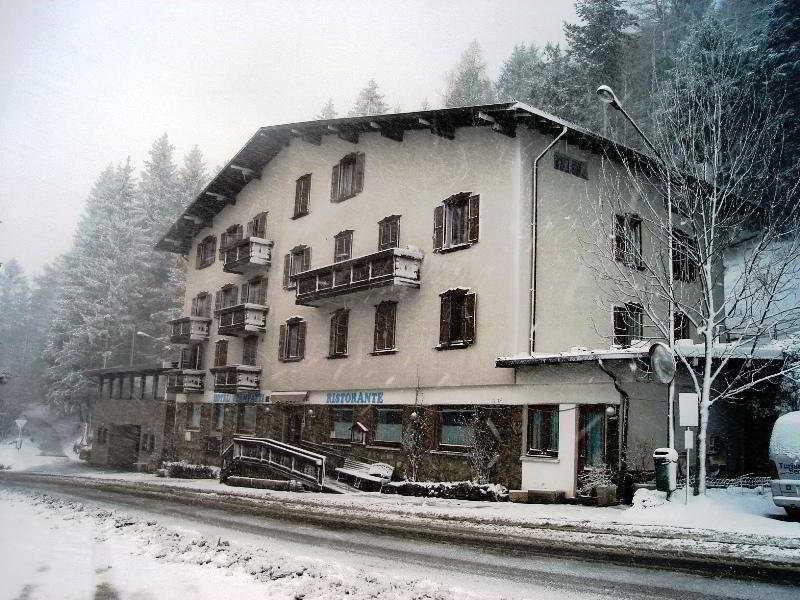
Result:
<point x="193" y="416"/>
<point x="229" y="238"/>
<point x="246" y="418"/>
<point x="385" y="316"/>
<point x="255" y="291"/>
<point x="148" y="442"/>
<point x="389" y="425"/>
<point x="218" y="420"/>
<point x="302" y="192"/>
<point x="206" y="252"/>
<point x="454" y="427"/>
<point x="192" y="357"/>
<point x="543" y="430"/>
<point x="681" y="326"/>
<point x="201" y="305"/>
<point x="338" y="336"/>
<point x="389" y="232"/>
<point x="567" y="164"/>
<point x="221" y="353"/>
<point x="226" y="297"/>
<point x="684" y="257"/>
<point x="102" y="435"/>
<point x="628" y="324"/>
<point x="297" y="261"/>
<point x="592" y="440"/>
<point x="347" y="178"/>
<point x="457" y="319"/>
<point x="456" y="222"/>
<point x="250" y="350"/>
<point x="341" y="423"/>
<point x="628" y="240"/>
<point x="342" y="246"/>
<point x="257" y="226"/>
<point x="292" y="340"/>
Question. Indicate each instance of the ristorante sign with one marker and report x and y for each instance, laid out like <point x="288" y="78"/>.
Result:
<point x="354" y="397"/>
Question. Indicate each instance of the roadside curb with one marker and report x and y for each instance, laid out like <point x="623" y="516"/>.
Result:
<point x="593" y="543"/>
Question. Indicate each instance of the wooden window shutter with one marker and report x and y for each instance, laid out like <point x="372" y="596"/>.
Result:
<point x="469" y="318"/>
<point x="335" y="183"/>
<point x="218" y="300"/>
<point x="344" y="322"/>
<point x="358" y="176"/>
<point x="184" y="357"/>
<point x="390" y="316"/>
<point x="199" y="255"/>
<point x="379" y="318"/>
<point x="301" y="339"/>
<point x="245" y="293"/>
<point x="282" y="342"/>
<point x="438" y="228"/>
<point x="474" y="218"/>
<point x="332" y="336"/>
<point x="287" y="270"/>
<point x="305" y="265"/>
<point x="444" y="321"/>
<point x="619" y="237"/>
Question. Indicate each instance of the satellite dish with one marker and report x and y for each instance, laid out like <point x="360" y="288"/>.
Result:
<point x="662" y="362"/>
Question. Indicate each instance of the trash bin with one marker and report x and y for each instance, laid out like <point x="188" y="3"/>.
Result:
<point x="666" y="463"/>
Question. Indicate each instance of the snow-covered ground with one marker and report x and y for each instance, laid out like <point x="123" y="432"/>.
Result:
<point x="54" y="548"/>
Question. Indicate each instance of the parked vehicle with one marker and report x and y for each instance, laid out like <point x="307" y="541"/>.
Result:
<point x="784" y="453"/>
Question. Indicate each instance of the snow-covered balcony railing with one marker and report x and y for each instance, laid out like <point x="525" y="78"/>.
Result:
<point x="393" y="266"/>
<point x="186" y="381"/>
<point x="242" y="319"/>
<point x="247" y="254"/>
<point x="189" y="330"/>
<point x="235" y="379"/>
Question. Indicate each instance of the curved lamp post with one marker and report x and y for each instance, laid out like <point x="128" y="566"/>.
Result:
<point x="607" y="95"/>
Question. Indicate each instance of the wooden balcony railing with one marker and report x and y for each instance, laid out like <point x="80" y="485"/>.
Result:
<point x="186" y="381"/>
<point x="393" y="266"/>
<point x="242" y="319"/>
<point x="189" y="330"/>
<point x="236" y="379"/>
<point x="247" y="254"/>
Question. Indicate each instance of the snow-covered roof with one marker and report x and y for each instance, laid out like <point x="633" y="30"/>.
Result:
<point x="268" y="141"/>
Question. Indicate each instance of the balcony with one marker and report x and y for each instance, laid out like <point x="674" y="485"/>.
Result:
<point x="393" y="266"/>
<point x="236" y="379"/>
<point x="190" y="330"/>
<point x="242" y="319"/>
<point x="247" y="254"/>
<point x="186" y="381"/>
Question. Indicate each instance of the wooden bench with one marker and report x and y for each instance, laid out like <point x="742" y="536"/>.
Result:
<point x="358" y="475"/>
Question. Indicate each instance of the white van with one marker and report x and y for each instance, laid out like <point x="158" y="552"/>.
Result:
<point x="784" y="452"/>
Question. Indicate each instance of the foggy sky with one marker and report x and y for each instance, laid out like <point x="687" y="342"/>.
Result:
<point x="84" y="83"/>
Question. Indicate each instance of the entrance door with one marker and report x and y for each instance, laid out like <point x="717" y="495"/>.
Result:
<point x="295" y="427"/>
<point x="123" y="445"/>
<point x="592" y="437"/>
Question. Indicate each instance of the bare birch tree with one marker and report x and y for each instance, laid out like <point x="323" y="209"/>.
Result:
<point x="735" y="271"/>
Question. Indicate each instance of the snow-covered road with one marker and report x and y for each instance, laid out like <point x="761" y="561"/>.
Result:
<point x="71" y="547"/>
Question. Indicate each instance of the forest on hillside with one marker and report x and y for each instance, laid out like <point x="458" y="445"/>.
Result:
<point x="85" y="309"/>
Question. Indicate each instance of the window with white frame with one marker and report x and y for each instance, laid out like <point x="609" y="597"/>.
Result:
<point x="341" y="423"/>
<point x="388" y="425"/>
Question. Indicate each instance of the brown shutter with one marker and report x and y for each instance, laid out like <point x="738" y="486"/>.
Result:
<point x="335" y="183"/>
<point x="199" y="255"/>
<point x="301" y="339"/>
<point x="358" y="176"/>
<point x="469" y="318"/>
<point x="444" y="321"/>
<point x="245" y="292"/>
<point x="287" y="270"/>
<point x="438" y="228"/>
<point x="332" y="336"/>
<point x="344" y="322"/>
<point x="282" y="343"/>
<point x="474" y="218"/>
<point x="305" y="265"/>
<point x="218" y="300"/>
<point x="391" y="310"/>
<point x="378" y="323"/>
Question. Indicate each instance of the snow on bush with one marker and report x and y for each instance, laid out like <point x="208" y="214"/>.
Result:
<point x="644" y="499"/>
<point x="459" y="490"/>
<point x="184" y="470"/>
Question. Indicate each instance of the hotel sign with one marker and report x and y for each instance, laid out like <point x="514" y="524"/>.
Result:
<point x="245" y="398"/>
<point x="354" y="397"/>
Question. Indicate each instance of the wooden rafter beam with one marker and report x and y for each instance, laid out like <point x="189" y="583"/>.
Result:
<point x="222" y="199"/>
<point x="309" y="138"/>
<point x="499" y="125"/>
<point x="439" y="126"/>
<point x="345" y="133"/>
<point x="388" y="131"/>
<point x="247" y="173"/>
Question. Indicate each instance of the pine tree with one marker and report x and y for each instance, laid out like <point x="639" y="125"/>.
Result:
<point x="369" y="102"/>
<point x="15" y="332"/>
<point x="328" y="111"/>
<point x="468" y="83"/>
<point x="520" y="75"/>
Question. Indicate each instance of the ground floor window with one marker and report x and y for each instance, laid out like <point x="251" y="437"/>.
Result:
<point x="193" y="416"/>
<point x="389" y="425"/>
<point x="246" y="418"/>
<point x="543" y="430"/>
<point x="341" y="423"/>
<point x="219" y="417"/>
<point x="455" y="429"/>
<point x="592" y="447"/>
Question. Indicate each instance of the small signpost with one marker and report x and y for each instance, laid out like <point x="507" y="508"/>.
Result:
<point x="688" y="405"/>
<point x="21" y="422"/>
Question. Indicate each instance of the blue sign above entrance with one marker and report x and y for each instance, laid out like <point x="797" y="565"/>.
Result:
<point x="354" y="397"/>
<point x="246" y="398"/>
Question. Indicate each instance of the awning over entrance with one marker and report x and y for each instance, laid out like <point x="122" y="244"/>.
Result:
<point x="288" y="397"/>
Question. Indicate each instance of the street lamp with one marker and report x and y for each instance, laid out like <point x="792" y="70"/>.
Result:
<point x="607" y="95"/>
<point x="133" y="342"/>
